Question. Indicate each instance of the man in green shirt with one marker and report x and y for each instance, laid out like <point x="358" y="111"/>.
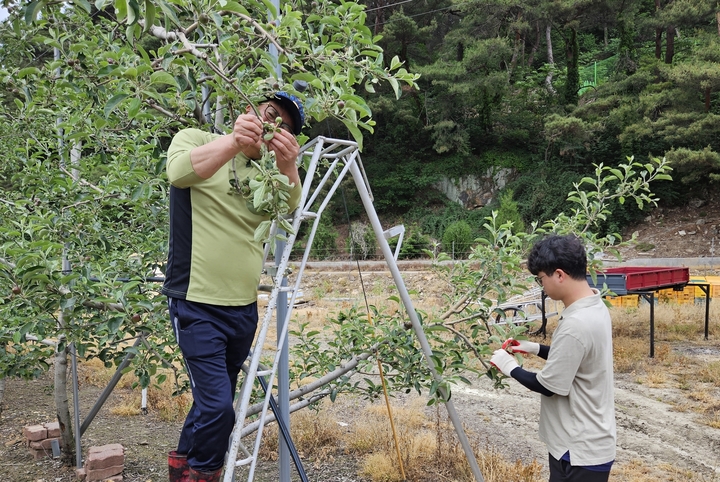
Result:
<point x="214" y="268"/>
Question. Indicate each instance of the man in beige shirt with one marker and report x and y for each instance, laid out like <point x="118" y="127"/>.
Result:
<point x="577" y="409"/>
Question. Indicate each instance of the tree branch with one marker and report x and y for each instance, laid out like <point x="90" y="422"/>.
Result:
<point x="81" y="181"/>
<point x="167" y="113"/>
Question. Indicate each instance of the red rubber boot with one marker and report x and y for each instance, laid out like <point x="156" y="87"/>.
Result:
<point x="178" y="468"/>
<point x="196" y="476"/>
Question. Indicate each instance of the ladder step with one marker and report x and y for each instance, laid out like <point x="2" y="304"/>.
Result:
<point x="263" y="373"/>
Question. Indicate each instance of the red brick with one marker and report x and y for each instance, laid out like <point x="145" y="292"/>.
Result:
<point x="39" y="454"/>
<point x="101" y="448"/>
<point x="43" y="444"/>
<point x="35" y="432"/>
<point x="53" y="429"/>
<point x="80" y="474"/>
<point x="105" y="456"/>
<point x="103" y="474"/>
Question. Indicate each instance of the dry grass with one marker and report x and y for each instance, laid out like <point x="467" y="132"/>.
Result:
<point x="316" y="434"/>
<point x="128" y="401"/>
<point x="428" y="448"/>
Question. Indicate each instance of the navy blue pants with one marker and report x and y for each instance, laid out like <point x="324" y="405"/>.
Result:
<point x="215" y="341"/>
<point x="562" y="471"/>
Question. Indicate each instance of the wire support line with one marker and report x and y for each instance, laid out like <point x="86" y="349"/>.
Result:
<point x="377" y="357"/>
<point x="387" y="6"/>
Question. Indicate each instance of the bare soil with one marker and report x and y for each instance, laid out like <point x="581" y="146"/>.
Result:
<point x="689" y="231"/>
<point x="653" y="434"/>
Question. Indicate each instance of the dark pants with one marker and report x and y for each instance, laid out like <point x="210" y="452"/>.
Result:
<point x="215" y="341"/>
<point x="562" y="471"/>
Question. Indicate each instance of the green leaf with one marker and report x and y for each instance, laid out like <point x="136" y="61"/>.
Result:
<point x="31" y="11"/>
<point x="162" y="77"/>
<point x="149" y="15"/>
<point x="353" y="128"/>
<point x="84" y="4"/>
<point x="395" y="86"/>
<point x="395" y="63"/>
<point x="133" y="12"/>
<point x="121" y="10"/>
<point x="262" y="231"/>
<point x="134" y="108"/>
<point x="28" y="71"/>
<point x="234" y="7"/>
<point x="169" y="11"/>
<point x="113" y="102"/>
<point x="114" y="323"/>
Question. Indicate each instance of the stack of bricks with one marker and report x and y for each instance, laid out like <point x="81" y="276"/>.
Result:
<point x="103" y="463"/>
<point x="39" y="439"/>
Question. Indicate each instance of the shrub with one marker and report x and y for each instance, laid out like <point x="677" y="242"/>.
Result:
<point x="457" y="239"/>
<point x="325" y="241"/>
<point x="509" y="211"/>
<point x="413" y="246"/>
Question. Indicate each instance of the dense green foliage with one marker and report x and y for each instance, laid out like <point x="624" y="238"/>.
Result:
<point x="627" y="78"/>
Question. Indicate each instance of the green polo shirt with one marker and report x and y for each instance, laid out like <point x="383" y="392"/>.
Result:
<point x="213" y="257"/>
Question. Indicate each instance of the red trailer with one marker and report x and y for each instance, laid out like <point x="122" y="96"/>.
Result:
<point x="644" y="281"/>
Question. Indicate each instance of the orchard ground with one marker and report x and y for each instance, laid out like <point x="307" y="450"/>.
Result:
<point x="668" y="407"/>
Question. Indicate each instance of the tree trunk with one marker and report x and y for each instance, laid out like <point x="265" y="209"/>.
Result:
<point x="606" y="36"/>
<point x="519" y="41"/>
<point x="63" y="407"/>
<point x="708" y="91"/>
<point x="572" y="84"/>
<point x="550" y="59"/>
<point x="536" y="45"/>
<point x="670" y="48"/>
<point x="658" y="33"/>
<point x="516" y="52"/>
<point x="379" y="16"/>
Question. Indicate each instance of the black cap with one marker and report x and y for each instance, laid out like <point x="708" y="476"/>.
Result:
<point x="293" y="106"/>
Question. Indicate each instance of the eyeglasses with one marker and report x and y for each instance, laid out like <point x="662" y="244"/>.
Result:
<point x="271" y="114"/>
<point x="538" y="280"/>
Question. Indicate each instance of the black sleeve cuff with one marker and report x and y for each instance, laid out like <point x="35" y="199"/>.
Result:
<point x="529" y="380"/>
<point x="544" y="351"/>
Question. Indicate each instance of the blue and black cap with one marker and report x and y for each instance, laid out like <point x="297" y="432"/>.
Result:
<point x="293" y="105"/>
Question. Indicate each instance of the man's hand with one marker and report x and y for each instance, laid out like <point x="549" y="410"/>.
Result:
<point x="286" y="152"/>
<point x="521" y="346"/>
<point x="247" y="135"/>
<point x="504" y="361"/>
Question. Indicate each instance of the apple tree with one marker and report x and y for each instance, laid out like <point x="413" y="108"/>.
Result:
<point x="93" y="94"/>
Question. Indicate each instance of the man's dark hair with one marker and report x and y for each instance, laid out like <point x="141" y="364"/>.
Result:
<point x="559" y="252"/>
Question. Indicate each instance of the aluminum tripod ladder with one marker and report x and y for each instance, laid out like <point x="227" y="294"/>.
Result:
<point x="338" y="158"/>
